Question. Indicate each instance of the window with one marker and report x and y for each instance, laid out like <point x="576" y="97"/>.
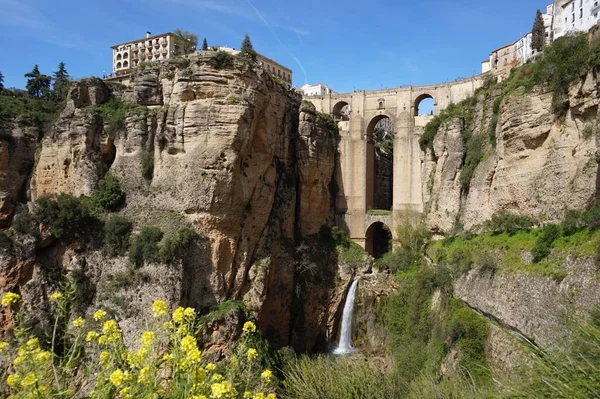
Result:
<point x="572" y="17"/>
<point x="125" y="64"/>
<point x="573" y="6"/>
<point x="580" y="13"/>
<point x="118" y="65"/>
<point x="119" y="57"/>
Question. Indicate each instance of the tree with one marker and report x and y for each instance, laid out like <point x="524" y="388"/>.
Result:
<point x="1" y="81"/>
<point x="538" y="34"/>
<point x="247" y="50"/>
<point x="204" y="45"/>
<point x="61" y="81"/>
<point x="37" y="83"/>
<point x="186" y="42"/>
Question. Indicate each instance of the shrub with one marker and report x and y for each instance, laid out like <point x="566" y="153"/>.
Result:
<point x="117" y="230"/>
<point x="108" y="196"/>
<point x="473" y="154"/>
<point x="68" y="217"/>
<point x="148" y="165"/>
<point x="174" y="245"/>
<point x="114" y="112"/>
<point x="144" y="247"/>
<point x="24" y="223"/>
<point x="544" y="242"/>
<point x="221" y="60"/>
<point x="507" y="222"/>
<point x="413" y="236"/>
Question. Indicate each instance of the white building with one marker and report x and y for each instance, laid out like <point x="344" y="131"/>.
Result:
<point x="149" y="49"/>
<point x="574" y="15"/>
<point x="318" y="89"/>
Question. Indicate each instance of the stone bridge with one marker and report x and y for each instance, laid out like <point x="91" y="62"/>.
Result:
<point x="357" y="114"/>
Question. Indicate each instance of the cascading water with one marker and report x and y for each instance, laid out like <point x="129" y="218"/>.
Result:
<point x="345" y="346"/>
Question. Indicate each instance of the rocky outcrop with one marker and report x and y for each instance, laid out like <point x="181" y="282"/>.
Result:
<point x="542" y="164"/>
<point x="227" y="151"/>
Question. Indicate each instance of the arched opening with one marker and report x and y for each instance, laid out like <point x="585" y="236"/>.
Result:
<point x="125" y="64"/>
<point x="341" y="111"/>
<point x="125" y="56"/>
<point x="118" y="65"/>
<point x="118" y="57"/>
<point x="381" y="104"/>
<point x="424" y="105"/>
<point x="378" y="240"/>
<point x="380" y="163"/>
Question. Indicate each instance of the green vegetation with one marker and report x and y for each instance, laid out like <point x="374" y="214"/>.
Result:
<point x="25" y="224"/>
<point x="543" y="244"/>
<point x="144" y="247"/>
<point x="507" y="223"/>
<point x="113" y="113"/>
<point x="349" y="252"/>
<point x="175" y="245"/>
<point x="148" y="165"/>
<point x="108" y="196"/>
<point x="473" y="155"/>
<point x="330" y="378"/>
<point x="494" y="120"/>
<point x="221" y="60"/>
<point x="222" y="310"/>
<point x="67" y="217"/>
<point x="384" y="141"/>
<point x="247" y="50"/>
<point x="538" y="37"/>
<point x="62" y="81"/>
<point x="17" y="107"/>
<point x="329" y="123"/>
<point x="379" y="212"/>
<point x="204" y="45"/>
<point x="413" y="237"/>
<point x="187" y="42"/>
<point x="38" y="84"/>
<point x="117" y="230"/>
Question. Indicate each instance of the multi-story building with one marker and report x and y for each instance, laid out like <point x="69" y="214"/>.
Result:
<point x="318" y="89"/>
<point x="503" y="59"/>
<point x="274" y="68"/>
<point x="574" y="15"/>
<point x="149" y="49"/>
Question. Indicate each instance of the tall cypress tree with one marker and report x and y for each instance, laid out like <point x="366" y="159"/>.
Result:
<point x="538" y="39"/>
<point x="61" y="81"/>
<point x="247" y="50"/>
<point x="1" y="81"/>
<point x="204" y="45"/>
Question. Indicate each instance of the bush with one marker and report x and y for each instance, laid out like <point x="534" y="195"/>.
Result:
<point x="221" y="60"/>
<point x="507" y="222"/>
<point x="68" y="217"/>
<point x="24" y="223"/>
<point x="148" y="165"/>
<point x="342" y="378"/>
<point x="108" y="196"/>
<point x="544" y="242"/>
<point x="145" y="246"/>
<point x="174" y="245"/>
<point x="117" y="230"/>
<point x="114" y="112"/>
<point x="473" y="154"/>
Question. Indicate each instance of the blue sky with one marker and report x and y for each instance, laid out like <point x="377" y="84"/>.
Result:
<point x="349" y="45"/>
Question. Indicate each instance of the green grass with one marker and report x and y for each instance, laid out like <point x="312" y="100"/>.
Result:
<point x="379" y="212"/>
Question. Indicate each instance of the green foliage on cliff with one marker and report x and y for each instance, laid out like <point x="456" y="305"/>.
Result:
<point x="329" y="123"/>
<point x="117" y="230"/>
<point x="68" y="217"/>
<point x="108" y="196"/>
<point x="413" y="236"/>
<point x="148" y="165"/>
<point x="174" y="245"/>
<point x="16" y="107"/>
<point x="144" y="247"/>
<point x="221" y="60"/>
<point x="543" y="244"/>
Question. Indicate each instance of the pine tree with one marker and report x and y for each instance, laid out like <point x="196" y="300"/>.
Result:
<point x="186" y="42"/>
<point x="204" y="45"/>
<point x="538" y="39"/>
<point x="247" y="50"/>
<point x="61" y="81"/>
<point x="37" y="84"/>
<point x="1" y="81"/>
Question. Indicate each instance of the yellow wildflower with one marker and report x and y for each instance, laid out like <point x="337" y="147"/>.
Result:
<point x="33" y="344"/>
<point x="247" y="395"/>
<point x="266" y="375"/>
<point x="125" y="393"/>
<point x="18" y="361"/>
<point x="168" y="325"/>
<point x="147" y="338"/>
<point x="110" y="327"/>
<point x="159" y="308"/>
<point x="29" y="380"/>
<point x="43" y="356"/>
<point x="249" y="327"/>
<point x="271" y="396"/>
<point x="104" y="356"/>
<point x="188" y="343"/>
<point x="102" y="340"/>
<point x="92" y="335"/>
<point x="99" y="315"/>
<point x="259" y="395"/>
<point x="189" y="313"/>
<point x="3" y="346"/>
<point x="251" y="354"/>
<point x="78" y="322"/>
<point x="117" y="378"/>
<point x="13" y="380"/>
<point x="234" y="361"/>
<point x="144" y="376"/>
<point x="222" y="390"/>
<point x="216" y="377"/>
<point x="9" y="298"/>
<point x="56" y="296"/>
<point x="179" y="315"/>
<point x="210" y="367"/>
<point x="168" y="357"/>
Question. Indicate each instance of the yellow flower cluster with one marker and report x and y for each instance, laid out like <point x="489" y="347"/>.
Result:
<point x="9" y="298"/>
<point x="222" y="390"/>
<point x="56" y="296"/>
<point x="159" y="308"/>
<point x="249" y="327"/>
<point x="266" y="375"/>
<point x="252" y="353"/>
<point x="78" y="322"/>
<point x="30" y="370"/>
<point x="99" y="315"/>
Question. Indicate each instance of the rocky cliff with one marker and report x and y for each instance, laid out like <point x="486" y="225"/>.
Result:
<point x="532" y="161"/>
<point x="224" y="148"/>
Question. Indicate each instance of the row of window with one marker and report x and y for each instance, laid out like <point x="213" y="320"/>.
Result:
<point x="283" y="75"/>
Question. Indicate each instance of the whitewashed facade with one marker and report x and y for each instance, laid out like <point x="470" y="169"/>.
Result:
<point x="318" y="89"/>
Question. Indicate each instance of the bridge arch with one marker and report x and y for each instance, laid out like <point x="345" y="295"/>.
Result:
<point x="421" y="100"/>
<point x="378" y="240"/>
<point x="379" y="163"/>
<point x="341" y="111"/>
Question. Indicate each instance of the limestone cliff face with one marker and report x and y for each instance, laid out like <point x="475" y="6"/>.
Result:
<point x="227" y="150"/>
<point x="542" y="165"/>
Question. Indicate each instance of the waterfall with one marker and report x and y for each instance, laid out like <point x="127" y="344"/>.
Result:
<point x="345" y="345"/>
